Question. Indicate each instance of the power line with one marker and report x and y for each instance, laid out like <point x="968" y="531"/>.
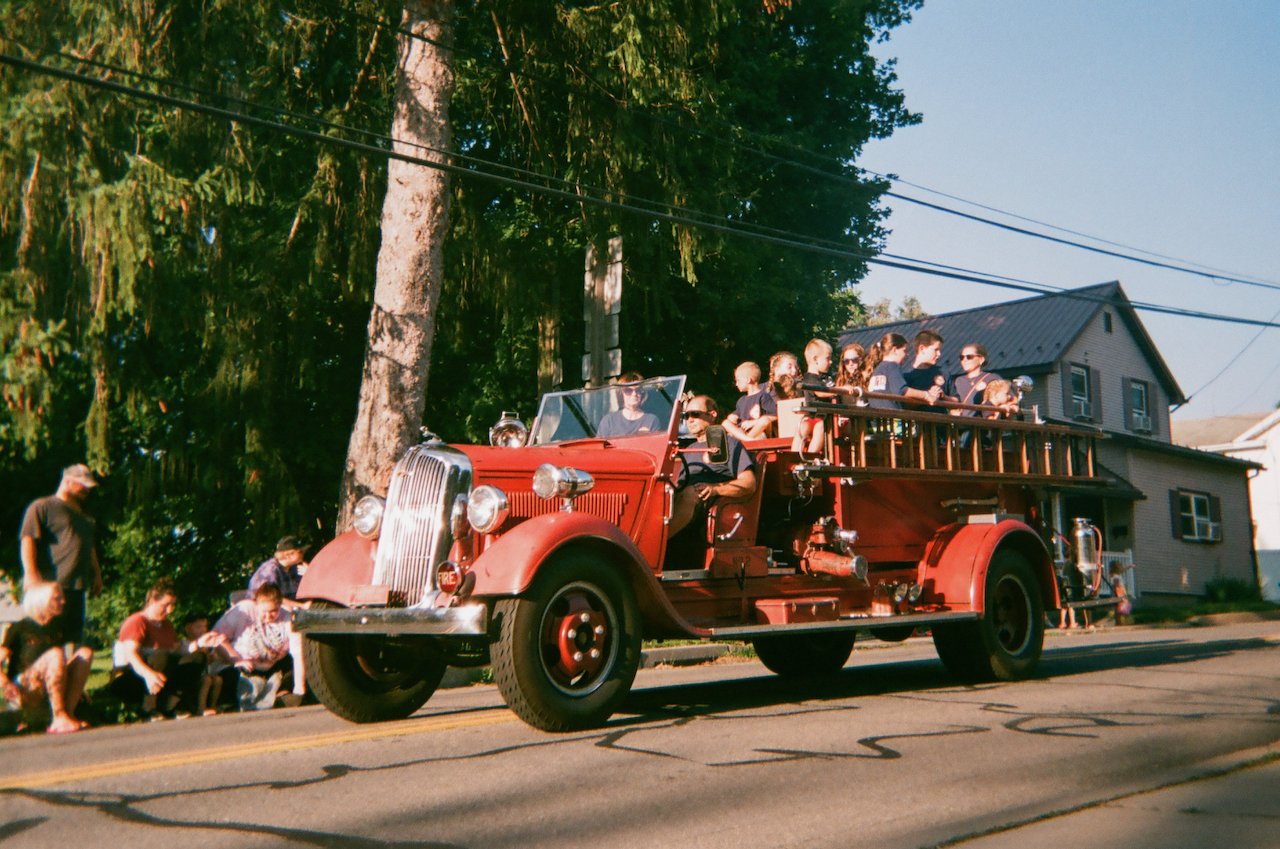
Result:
<point x="1196" y="269"/>
<point x="575" y="187"/>
<point x="906" y="264"/>
<point x="995" y="209"/>
<point x="1233" y="360"/>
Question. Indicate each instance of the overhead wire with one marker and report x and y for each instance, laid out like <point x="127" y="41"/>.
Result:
<point x="905" y="264"/>
<point x="1185" y="267"/>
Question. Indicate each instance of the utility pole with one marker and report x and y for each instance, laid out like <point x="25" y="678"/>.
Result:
<point x="602" y="307"/>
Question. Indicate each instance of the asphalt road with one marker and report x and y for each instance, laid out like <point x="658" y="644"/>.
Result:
<point x="1130" y="737"/>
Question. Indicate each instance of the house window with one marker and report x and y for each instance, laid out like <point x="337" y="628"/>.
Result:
<point x="1196" y="516"/>
<point x="1139" y="406"/>
<point x="1081" y="393"/>
<point x="1106" y="322"/>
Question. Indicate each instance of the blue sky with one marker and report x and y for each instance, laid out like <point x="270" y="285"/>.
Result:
<point x="1156" y="125"/>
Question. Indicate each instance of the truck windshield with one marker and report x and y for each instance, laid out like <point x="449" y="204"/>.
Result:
<point x="610" y="412"/>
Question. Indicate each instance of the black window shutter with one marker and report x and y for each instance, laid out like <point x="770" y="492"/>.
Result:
<point x="1095" y="394"/>
<point x="1066" y="390"/>
<point x="1152" y="410"/>
<point x="1175" y="513"/>
<point x="1215" y="508"/>
<point x="1126" y="388"/>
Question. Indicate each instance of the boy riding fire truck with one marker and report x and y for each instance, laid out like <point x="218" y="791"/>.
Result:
<point x="548" y="553"/>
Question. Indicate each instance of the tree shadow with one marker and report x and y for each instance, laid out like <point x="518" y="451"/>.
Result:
<point x="912" y="676"/>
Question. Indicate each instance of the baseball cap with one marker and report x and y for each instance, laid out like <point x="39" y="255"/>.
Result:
<point x="81" y="474"/>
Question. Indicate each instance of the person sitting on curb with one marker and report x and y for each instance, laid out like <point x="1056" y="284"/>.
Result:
<point x="195" y="626"/>
<point x="285" y="570"/>
<point x="35" y="672"/>
<point x="149" y="656"/>
<point x="257" y="636"/>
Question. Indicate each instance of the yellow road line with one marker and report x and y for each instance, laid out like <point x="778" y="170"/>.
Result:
<point x="429" y="725"/>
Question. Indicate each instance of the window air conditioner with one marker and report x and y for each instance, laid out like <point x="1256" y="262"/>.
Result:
<point x="1142" y="422"/>
<point x="1215" y="532"/>
<point x="1081" y="409"/>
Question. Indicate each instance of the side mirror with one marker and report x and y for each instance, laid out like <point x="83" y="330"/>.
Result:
<point x="717" y="444"/>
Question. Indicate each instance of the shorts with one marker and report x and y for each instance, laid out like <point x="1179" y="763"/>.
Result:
<point x="71" y="619"/>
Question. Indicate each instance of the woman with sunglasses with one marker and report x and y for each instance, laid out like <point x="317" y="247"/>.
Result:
<point x="631" y="419"/>
<point x="849" y="372"/>
<point x="972" y="384"/>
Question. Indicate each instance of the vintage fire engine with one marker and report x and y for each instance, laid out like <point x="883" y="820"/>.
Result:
<point x="547" y="554"/>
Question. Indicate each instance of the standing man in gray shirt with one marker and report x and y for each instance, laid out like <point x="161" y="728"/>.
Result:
<point x="57" y="545"/>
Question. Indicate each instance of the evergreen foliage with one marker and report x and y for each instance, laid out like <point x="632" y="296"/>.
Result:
<point x="183" y="300"/>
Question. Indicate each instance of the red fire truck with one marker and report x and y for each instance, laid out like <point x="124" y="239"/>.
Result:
<point x="548" y="554"/>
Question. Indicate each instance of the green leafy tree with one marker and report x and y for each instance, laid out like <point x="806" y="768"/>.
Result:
<point x="184" y="300"/>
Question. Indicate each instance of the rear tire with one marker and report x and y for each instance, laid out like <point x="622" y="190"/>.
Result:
<point x="1006" y="643"/>
<point x="370" y="678"/>
<point x="803" y="655"/>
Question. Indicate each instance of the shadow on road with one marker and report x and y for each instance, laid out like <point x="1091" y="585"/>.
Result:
<point x="879" y="679"/>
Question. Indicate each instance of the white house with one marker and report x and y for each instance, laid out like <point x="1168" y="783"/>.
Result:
<point x="1254" y="437"/>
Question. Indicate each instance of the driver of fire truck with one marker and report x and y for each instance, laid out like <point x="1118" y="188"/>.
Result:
<point x="705" y="481"/>
<point x="631" y="418"/>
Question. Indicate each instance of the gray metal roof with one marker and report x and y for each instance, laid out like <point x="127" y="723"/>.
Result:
<point x="1027" y="336"/>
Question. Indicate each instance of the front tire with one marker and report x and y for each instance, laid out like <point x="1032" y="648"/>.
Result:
<point x="369" y="678"/>
<point x="803" y="655"/>
<point x="568" y="650"/>
<point x="1006" y="643"/>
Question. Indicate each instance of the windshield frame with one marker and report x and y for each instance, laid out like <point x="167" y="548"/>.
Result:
<point x="585" y="408"/>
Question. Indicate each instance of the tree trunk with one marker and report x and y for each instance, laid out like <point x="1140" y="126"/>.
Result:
<point x="415" y="219"/>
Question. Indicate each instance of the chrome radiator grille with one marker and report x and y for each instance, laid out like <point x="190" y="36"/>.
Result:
<point x="416" y="528"/>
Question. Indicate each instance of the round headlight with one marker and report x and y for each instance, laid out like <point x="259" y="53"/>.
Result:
<point x="550" y="480"/>
<point x="508" y="432"/>
<point x="546" y="480"/>
<point x="367" y="517"/>
<point x="487" y="508"/>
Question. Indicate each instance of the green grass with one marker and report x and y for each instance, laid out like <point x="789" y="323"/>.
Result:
<point x="1161" y="615"/>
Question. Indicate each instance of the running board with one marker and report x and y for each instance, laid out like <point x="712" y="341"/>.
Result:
<point x="845" y="623"/>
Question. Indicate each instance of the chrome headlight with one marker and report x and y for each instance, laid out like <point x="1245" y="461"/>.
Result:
<point x="508" y="432"/>
<point x="550" y="480"/>
<point x="367" y="517"/>
<point x="1023" y="384"/>
<point x="488" y="508"/>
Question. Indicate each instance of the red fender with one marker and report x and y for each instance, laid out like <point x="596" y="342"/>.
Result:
<point x="954" y="568"/>
<point x="339" y="569"/>
<point x="508" y="566"/>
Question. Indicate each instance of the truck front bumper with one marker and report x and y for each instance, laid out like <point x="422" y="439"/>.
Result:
<point x="465" y="620"/>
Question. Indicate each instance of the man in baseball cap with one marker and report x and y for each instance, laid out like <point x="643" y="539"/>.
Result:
<point x="57" y="544"/>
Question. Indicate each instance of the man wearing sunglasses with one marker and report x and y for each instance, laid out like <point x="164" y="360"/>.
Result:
<point x="708" y="481"/>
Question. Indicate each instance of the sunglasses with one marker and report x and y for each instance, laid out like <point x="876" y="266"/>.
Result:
<point x="631" y="390"/>
<point x="851" y="360"/>
<point x="694" y="414"/>
<point x="970" y="357"/>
